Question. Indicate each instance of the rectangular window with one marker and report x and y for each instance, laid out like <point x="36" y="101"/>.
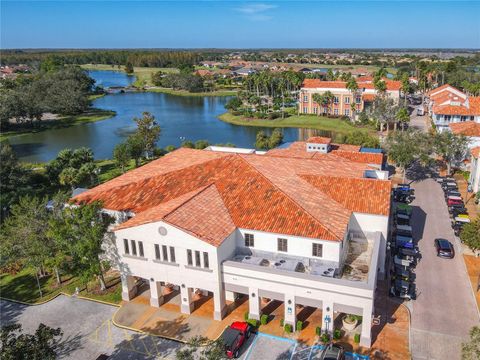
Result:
<point x="205" y="260"/>
<point x="282" y="245"/>
<point x="347" y="112"/>
<point x="172" y="254"/>
<point x="140" y="248"/>
<point x="134" y="247"/>
<point x="305" y="98"/>
<point x="317" y="250"/>
<point x="125" y="246"/>
<point x="189" y="257"/>
<point x="157" y="252"/>
<point x="347" y="100"/>
<point x="358" y="99"/>
<point x="197" y="259"/>
<point x="315" y="110"/>
<point x="305" y="110"/>
<point x="335" y="99"/>
<point x="164" y="253"/>
<point x="335" y="111"/>
<point x="249" y="240"/>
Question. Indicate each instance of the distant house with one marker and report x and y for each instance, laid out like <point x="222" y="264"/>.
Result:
<point x="211" y="64"/>
<point x="244" y="71"/>
<point x="343" y="98"/>
<point x="448" y="105"/>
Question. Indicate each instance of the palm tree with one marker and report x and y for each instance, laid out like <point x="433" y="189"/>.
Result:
<point x="405" y="88"/>
<point x="318" y="98"/>
<point x="352" y="86"/>
<point x="381" y="73"/>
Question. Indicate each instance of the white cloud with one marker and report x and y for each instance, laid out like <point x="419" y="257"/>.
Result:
<point x="256" y="12"/>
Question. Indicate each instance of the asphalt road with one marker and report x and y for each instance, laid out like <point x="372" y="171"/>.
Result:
<point x="445" y="309"/>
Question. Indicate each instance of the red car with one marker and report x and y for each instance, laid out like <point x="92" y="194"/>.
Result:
<point x="235" y="336"/>
<point x="454" y="201"/>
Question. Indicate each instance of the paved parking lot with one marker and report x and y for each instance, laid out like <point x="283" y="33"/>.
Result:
<point x="89" y="331"/>
<point x="445" y="309"/>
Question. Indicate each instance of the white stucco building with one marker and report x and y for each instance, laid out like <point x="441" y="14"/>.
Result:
<point x="301" y="225"/>
<point x="448" y="106"/>
<point x="474" y="179"/>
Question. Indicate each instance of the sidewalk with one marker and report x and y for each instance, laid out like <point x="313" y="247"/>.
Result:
<point x="473" y="269"/>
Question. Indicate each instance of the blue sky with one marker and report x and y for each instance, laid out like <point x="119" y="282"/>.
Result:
<point x="239" y="24"/>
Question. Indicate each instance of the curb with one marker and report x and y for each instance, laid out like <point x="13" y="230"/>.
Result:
<point x="409" y="328"/>
<point x="57" y="295"/>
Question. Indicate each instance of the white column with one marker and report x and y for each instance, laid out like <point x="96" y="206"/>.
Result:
<point x="129" y="290"/>
<point x="366" y="335"/>
<point x="254" y="304"/>
<point x="290" y="311"/>
<point x="186" y="299"/>
<point x="156" y="294"/>
<point x="229" y="295"/>
<point x="327" y="316"/>
<point x="219" y="306"/>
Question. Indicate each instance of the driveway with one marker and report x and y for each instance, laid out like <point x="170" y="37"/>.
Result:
<point x="445" y="309"/>
<point x="88" y="330"/>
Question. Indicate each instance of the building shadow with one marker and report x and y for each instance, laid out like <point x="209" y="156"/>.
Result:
<point x="270" y="308"/>
<point x="304" y="314"/>
<point x="419" y="172"/>
<point x="418" y="219"/>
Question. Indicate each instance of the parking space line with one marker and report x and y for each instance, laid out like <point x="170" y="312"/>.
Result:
<point x="293" y="351"/>
<point x="252" y="346"/>
<point x="310" y="353"/>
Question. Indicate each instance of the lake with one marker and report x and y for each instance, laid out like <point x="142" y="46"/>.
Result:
<point x="180" y="117"/>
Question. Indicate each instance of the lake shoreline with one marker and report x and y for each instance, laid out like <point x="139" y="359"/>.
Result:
<point x="294" y="121"/>
<point x="91" y="115"/>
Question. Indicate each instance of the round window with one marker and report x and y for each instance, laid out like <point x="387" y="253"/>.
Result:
<point x="162" y="231"/>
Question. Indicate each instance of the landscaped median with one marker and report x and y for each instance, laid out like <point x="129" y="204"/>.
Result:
<point x="22" y="287"/>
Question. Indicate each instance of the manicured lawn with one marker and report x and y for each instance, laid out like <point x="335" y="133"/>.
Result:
<point x="23" y="287"/>
<point x="301" y="121"/>
<point x="187" y="93"/>
<point x="91" y="115"/>
<point x="109" y="169"/>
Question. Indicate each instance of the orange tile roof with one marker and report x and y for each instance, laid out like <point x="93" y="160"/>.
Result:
<point x="208" y="194"/>
<point x="338" y="152"/>
<point x="467" y="128"/>
<point x="368" y="97"/>
<point x="317" y="83"/>
<point x="345" y="191"/>
<point x="475" y="152"/>
<point x="319" y="140"/>
<point x="440" y="88"/>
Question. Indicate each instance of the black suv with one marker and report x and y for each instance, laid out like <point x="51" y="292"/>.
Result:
<point x="444" y="248"/>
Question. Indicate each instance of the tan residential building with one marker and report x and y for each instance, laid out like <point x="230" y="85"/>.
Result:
<point x="343" y="97"/>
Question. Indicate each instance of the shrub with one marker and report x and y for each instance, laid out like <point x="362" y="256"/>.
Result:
<point x="288" y="328"/>
<point x="318" y="330"/>
<point x="282" y="321"/>
<point x="299" y="325"/>
<point x="325" y="337"/>
<point x="337" y="334"/>
<point x="356" y="338"/>
<point x="264" y="319"/>
<point x="245" y="316"/>
<point x="170" y="148"/>
<point x="253" y="322"/>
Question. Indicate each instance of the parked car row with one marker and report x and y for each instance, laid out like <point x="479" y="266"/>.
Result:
<point x="404" y="254"/>
<point x="455" y="204"/>
<point x="403" y="193"/>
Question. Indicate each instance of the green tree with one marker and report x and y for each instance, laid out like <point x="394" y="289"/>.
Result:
<point x="188" y="144"/>
<point x="121" y="155"/>
<point x="24" y="235"/>
<point x="43" y="345"/>
<point x="471" y="349"/>
<point x="470" y="234"/>
<point x="85" y="227"/>
<point x="234" y="104"/>
<point x="452" y="148"/>
<point x="352" y="86"/>
<point x="406" y="147"/>
<point x="148" y="131"/>
<point x="261" y="141"/>
<point x="405" y="88"/>
<point x="403" y="117"/>
<point x="201" y="144"/>
<point x="73" y="168"/>
<point x="157" y="78"/>
<point x="135" y="148"/>
<point x="201" y="348"/>
<point x="129" y="68"/>
<point x="275" y="139"/>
